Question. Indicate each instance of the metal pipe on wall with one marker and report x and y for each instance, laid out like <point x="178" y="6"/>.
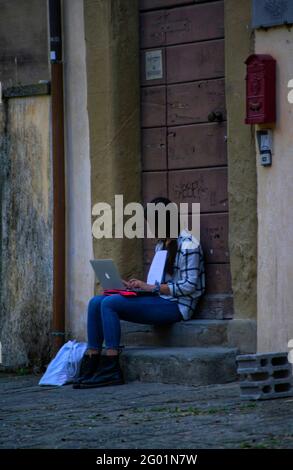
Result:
<point x="58" y="322"/>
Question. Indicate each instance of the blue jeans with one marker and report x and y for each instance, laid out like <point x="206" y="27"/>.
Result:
<point x="105" y="313"/>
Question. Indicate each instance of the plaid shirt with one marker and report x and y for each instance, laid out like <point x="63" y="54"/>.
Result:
<point x="187" y="283"/>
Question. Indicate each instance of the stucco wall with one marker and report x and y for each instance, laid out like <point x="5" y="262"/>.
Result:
<point x="26" y="228"/>
<point x="275" y="189"/>
<point x="79" y="274"/>
<point x="112" y="54"/>
<point x="24" y="56"/>
<point x="241" y="161"/>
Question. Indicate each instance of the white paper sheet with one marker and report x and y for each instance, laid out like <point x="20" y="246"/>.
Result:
<point x="157" y="267"/>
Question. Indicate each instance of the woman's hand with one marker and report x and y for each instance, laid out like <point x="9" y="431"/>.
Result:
<point x="137" y="284"/>
<point x="126" y="283"/>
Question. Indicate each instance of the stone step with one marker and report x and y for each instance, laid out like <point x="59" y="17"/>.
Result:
<point x="240" y="334"/>
<point x="175" y="365"/>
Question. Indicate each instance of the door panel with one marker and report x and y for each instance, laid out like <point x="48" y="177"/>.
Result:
<point x="181" y="25"/>
<point x="196" y="146"/>
<point x="195" y="23"/>
<point x="190" y="103"/>
<point x="152" y="29"/>
<point x="195" y="61"/>
<point x="154" y="185"/>
<point x="153" y="106"/>
<point x="214" y="237"/>
<point x="218" y="278"/>
<point x="154" y="149"/>
<point x="207" y="187"/>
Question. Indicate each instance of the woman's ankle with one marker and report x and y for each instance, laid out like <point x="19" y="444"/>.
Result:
<point x="112" y="352"/>
<point x="93" y="352"/>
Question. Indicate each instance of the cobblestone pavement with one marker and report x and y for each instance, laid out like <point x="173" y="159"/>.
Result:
<point x="139" y="415"/>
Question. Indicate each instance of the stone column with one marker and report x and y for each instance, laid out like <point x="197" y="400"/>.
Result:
<point x="241" y="161"/>
<point x="79" y="249"/>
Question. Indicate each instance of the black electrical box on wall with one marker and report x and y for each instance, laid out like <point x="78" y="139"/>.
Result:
<point x="267" y="13"/>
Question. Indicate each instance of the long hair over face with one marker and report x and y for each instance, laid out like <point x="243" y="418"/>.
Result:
<point x="171" y="247"/>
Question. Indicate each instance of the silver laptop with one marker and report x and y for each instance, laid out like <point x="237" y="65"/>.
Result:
<point x="107" y="273"/>
<point x="109" y="277"/>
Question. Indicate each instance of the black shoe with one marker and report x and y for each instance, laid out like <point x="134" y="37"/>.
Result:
<point x="89" y="365"/>
<point x="109" y="373"/>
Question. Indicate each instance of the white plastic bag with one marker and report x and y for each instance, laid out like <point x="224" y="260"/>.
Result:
<point x="65" y="365"/>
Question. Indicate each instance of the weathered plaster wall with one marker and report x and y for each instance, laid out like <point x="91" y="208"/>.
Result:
<point x="79" y="274"/>
<point x="275" y="200"/>
<point x="26" y="263"/>
<point x="3" y="164"/>
<point x="241" y="161"/>
<point x="112" y="51"/>
<point x="24" y="56"/>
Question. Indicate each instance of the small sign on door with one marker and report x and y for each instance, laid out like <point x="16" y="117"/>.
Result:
<point x="153" y="65"/>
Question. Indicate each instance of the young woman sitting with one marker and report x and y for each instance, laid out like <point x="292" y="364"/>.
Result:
<point x="176" y="299"/>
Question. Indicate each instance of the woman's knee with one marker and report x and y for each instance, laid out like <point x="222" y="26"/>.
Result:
<point x="110" y="302"/>
<point x="95" y="303"/>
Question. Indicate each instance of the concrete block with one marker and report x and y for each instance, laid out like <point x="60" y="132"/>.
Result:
<point x="264" y="373"/>
<point x="267" y="389"/>
<point x="261" y="360"/>
<point x="265" y="376"/>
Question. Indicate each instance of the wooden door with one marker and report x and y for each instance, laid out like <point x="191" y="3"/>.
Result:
<point x="183" y="120"/>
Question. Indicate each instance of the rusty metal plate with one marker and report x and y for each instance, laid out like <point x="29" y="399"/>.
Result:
<point x="181" y="25"/>
<point x="193" y="102"/>
<point x="218" y="278"/>
<point x="154" y="148"/>
<point x="199" y="145"/>
<point x="195" y="61"/>
<point x="154" y="185"/>
<point x="151" y="59"/>
<point x="153" y="106"/>
<point x="214" y="237"/>
<point x="207" y="187"/>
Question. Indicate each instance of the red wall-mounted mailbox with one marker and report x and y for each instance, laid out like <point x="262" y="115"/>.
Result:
<point x="260" y="89"/>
